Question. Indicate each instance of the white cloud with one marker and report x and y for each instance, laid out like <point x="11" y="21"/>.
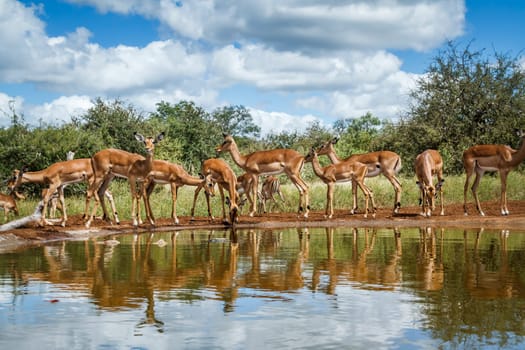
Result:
<point x="277" y="122"/>
<point x="305" y="25"/>
<point x="8" y="105"/>
<point x="330" y="56"/>
<point x="59" y="110"/>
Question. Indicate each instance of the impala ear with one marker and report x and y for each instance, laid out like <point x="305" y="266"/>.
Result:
<point x="224" y="134"/>
<point x="335" y="139"/>
<point x="138" y="137"/>
<point x="160" y="137"/>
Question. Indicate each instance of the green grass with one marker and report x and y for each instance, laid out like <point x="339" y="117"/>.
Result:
<point x="383" y="193"/>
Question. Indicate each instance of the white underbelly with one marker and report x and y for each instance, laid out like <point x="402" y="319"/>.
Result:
<point x="487" y="168"/>
<point x="275" y="172"/>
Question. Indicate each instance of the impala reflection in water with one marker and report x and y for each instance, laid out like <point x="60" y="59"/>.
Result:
<point x="300" y="288"/>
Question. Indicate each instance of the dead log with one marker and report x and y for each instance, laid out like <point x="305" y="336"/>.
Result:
<point x="36" y="216"/>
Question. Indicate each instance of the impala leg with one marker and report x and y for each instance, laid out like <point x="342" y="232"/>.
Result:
<point x="132" y="187"/>
<point x="100" y="194"/>
<point x="503" y="199"/>
<point x="139" y="196"/>
<point x="195" y="195"/>
<point x="252" y="197"/>
<point x="147" y="190"/>
<point x="366" y="193"/>
<point x="354" y="197"/>
<point x="440" y="186"/>
<point x="224" y="218"/>
<point x="93" y="191"/>
<point x="302" y="187"/>
<point x="329" y="212"/>
<point x="49" y="193"/>
<point x="63" y="203"/>
<point x="174" y="192"/>
<point x="397" y="189"/>
<point x="371" y="197"/>
<point x="422" y="198"/>
<point x="109" y="196"/>
<point x="469" y="173"/>
<point x="474" y="189"/>
<point x="210" y="215"/>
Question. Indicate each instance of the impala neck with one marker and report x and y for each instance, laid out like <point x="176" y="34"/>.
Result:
<point x="32" y="177"/>
<point x="318" y="170"/>
<point x="149" y="160"/>
<point x="333" y="156"/>
<point x="189" y="180"/>
<point x="237" y="157"/>
<point x="519" y="156"/>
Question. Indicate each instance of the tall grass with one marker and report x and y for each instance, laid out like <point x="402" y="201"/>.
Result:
<point x="489" y="189"/>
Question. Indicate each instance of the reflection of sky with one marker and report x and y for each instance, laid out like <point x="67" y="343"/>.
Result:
<point x="303" y="319"/>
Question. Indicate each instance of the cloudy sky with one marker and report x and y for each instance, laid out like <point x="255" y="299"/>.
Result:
<point x="290" y="62"/>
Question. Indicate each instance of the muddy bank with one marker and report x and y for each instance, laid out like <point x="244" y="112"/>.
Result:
<point x="408" y="217"/>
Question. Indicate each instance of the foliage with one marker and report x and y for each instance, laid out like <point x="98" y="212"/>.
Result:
<point x="465" y="98"/>
<point x="113" y="123"/>
<point x="193" y="127"/>
<point x="236" y="120"/>
<point x="357" y="134"/>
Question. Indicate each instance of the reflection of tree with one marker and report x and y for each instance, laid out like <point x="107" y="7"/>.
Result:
<point x="477" y="281"/>
<point x="489" y="276"/>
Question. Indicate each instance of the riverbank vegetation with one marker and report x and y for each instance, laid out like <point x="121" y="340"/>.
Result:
<point x="465" y="98"/>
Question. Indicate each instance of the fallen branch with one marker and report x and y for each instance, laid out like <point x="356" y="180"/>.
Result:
<point x="36" y="216"/>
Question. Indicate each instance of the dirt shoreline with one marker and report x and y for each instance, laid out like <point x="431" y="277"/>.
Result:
<point x="408" y="217"/>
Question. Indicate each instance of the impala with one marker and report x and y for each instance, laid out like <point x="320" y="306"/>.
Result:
<point x="341" y="172"/>
<point x="111" y="162"/>
<point x="270" y="162"/>
<point x="481" y="158"/>
<point x="428" y="164"/>
<point x="271" y="185"/>
<point x="381" y="162"/>
<point x="244" y="187"/>
<point x="8" y="202"/>
<point x="56" y="177"/>
<point x="219" y="172"/>
<point x="164" y="172"/>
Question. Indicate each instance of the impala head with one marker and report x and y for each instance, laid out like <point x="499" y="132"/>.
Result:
<point x="328" y="146"/>
<point x="226" y="144"/>
<point x="14" y="180"/>
<point x="429" y="193"/>
<point x="234" y="210"/>
<point x="311" y="155"/>
<point x="209" y="184"/>
<point x="149" y="142"/>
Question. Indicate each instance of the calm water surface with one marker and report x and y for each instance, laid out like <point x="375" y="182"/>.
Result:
<point x="302" y="288"/>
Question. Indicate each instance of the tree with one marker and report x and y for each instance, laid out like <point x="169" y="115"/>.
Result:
<point x="356" y="134"/>
<point x="465" y="98"/>
<point x="236" y="121"/>
<point x="196" y="132"/>
<point x="113" y="123"/>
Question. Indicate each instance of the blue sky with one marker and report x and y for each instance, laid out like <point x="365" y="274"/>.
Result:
<point x="290" y="62"/>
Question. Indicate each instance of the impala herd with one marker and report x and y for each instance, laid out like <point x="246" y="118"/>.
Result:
<point x="144" y="172"/>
